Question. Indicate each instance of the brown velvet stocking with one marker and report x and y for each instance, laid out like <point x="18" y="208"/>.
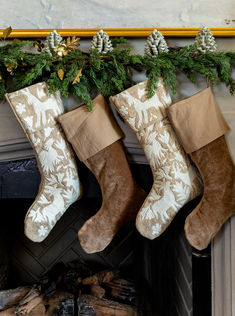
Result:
<point x="122" y="198"/>
<point x="200" y="127"/>
<point x="95" y="137"/>
<point x="218" y="203"/>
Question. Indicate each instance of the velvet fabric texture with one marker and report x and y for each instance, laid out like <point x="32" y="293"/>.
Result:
<point x="218" y="203"/>
<point x="213" y="161"/>
<point x="95" y="137"/>
<point x="122" y="198"/>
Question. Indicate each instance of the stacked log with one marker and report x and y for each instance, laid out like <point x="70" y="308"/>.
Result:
<point x="89" y="305"/>
<point x="22" y="301"/>
<point x="72" y="290"/>
<point x="10" y="298"/>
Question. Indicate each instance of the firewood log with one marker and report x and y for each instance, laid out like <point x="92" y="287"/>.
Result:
<point x="89" y="305"/>
<point x="99" y="278"/>
<point x="33" y="309"/>
<point x="32" y="303"/>
<point x="59" y="303"/>
<point x="97" y="290"/>
<point x="33" y="293"/>
<point x="120" y="290"/>
<point x="8" y="312"/>
<point x="26" y="301"/>
<point x="38" y="310"/>
<point x="9" y="298"/>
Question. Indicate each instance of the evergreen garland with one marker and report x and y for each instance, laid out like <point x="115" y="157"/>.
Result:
<point x="84" y="73"/>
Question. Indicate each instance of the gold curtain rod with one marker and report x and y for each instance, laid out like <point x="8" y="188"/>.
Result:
<point x="127" y="32"/>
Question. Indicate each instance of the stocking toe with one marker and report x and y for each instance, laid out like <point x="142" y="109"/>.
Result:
<point x="35" y="231"/>
<point x="92" y="240"/>
<point x="196" y="232"/>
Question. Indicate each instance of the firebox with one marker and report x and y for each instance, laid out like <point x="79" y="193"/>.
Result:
<point x="170" y="277"/>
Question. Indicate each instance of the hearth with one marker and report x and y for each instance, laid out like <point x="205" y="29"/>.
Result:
<point x="170" y="278"/>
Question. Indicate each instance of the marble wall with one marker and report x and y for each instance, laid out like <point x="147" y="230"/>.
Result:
<point x="122" y="13"/>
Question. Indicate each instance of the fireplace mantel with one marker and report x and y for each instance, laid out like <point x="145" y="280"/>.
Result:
<point x="14" y="146"/>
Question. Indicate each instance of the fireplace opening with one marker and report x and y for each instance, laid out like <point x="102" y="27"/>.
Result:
<point x="168" y="276"/>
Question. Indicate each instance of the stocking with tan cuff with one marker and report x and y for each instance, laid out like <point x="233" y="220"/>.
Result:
<point x="175" y="181"/>
<point x="95" y="138"/>
<point x="36" y="111"/>
<point x="200" y="128"/>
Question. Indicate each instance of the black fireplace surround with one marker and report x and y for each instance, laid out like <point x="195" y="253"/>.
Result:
<point x="171" y="278"/>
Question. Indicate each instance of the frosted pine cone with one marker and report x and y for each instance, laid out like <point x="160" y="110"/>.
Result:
<point x="205" y="41"/>
<point x="155" y="44"/>
<point x="102" y="43"/>
<point x="51" y="43"/>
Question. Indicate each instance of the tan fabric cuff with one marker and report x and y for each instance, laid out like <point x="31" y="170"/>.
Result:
<point x="90" y="132"/>
<point x="197" y="120"/>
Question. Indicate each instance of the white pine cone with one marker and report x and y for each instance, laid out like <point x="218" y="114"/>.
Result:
<point x="155" y="44"/>
<point x="52" y="41"/>
<point x="205" y="41"/>
<point x="102" y="43"/>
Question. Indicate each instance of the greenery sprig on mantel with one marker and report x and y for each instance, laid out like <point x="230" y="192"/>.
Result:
<point x="80" y="73"/>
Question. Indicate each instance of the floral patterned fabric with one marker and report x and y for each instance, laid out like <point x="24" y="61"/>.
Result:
<point x="176" y="181"/>
<point x="37" y="110"/>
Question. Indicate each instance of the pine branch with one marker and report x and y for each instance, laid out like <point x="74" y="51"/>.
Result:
<point x="118" y="40"/>
<point x="111" y="73"/>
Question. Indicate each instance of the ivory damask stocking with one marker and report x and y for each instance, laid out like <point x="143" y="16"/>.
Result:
<point x="175" y="179"/>
<point x="36" y="111"/>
